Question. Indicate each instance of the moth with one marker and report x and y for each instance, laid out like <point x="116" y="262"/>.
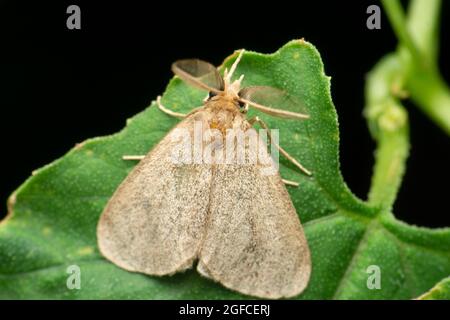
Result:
<point x="236" y="222"/>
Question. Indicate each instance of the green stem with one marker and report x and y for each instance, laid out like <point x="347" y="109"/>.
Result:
<point x="419" y="36"/>
<point x="412" y="68"/>
<point x="396" y="16"/>
<point x="427" y="88"/>
<point x="432" y="95"/>
<point x="389" y="168"/>
<point x="388" y="121"/>
<point x="423" y="26"/>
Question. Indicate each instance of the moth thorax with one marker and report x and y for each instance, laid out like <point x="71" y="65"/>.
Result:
<point x="222" y="120"/>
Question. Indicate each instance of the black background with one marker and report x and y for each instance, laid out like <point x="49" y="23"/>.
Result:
<point x="169" y="309"/>
<point x="59" y="86"/>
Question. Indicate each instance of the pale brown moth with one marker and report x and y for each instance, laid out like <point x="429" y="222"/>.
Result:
<point x="239" y="224"/>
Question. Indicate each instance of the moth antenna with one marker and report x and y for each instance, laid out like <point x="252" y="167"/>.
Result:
<point x="240" y="79"/>
<point x="233" y="67"/>
<point x="225" y="78"/>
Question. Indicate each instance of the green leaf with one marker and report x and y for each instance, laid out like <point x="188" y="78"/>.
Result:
<point x="53" y="215"/>
<point x="441" y="291"/>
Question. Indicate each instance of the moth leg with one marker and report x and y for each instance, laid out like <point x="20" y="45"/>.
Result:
<point x="282" y="151"/>
<point x="133" y="157"/>
<point x="168" y="111"/>
<point x="290" y="183"/>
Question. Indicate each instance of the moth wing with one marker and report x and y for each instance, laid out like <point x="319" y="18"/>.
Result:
<point x="154" y="222"/>
<point x="271" y="97"/>
<point x="199" y="73"/>
<point x="254" y="242"/>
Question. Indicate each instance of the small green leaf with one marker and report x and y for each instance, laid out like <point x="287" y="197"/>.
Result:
<point x="441" y="291"/>
<point x="53" y="215"/>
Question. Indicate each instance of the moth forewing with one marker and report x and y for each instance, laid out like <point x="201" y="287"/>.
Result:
<point x="254" y="241"/>
<point x="154" y="222"/>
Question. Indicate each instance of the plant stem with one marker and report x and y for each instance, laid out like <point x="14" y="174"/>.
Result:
<point x="396" y="16"/>
<point x="418" y="35"/>
<point x="388" y="121"/>
<point x="427" y="88"/>
<point x="389" y="169"/>
<point x="432" y="95"/>
<point x="423" y="25"/>
<point x="413" y="68"/>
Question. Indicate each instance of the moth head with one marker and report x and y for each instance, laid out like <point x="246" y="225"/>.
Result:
<point x="228" y="97"/>
<point x="232" y="88"/>
<point x="204" y="75"/>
